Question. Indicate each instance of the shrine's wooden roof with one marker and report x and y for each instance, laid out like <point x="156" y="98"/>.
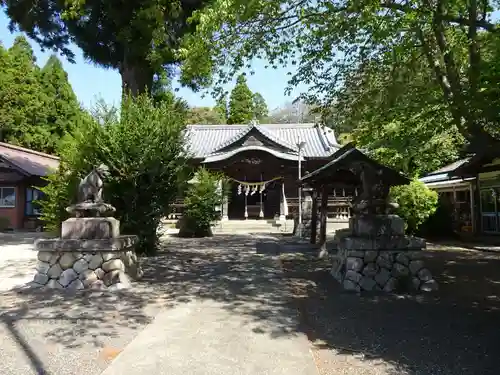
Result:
<point x="210" y="140"/>
<point x="338" y="170"/>
<point x="28" y="162"/>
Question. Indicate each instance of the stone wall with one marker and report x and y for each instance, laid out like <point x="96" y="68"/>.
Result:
<point x="76" y="269"/>
<point x="382" y="270"/>
<point x="374" y="254"/>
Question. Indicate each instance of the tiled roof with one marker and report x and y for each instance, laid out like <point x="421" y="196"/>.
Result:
<point x="31" y="162"/>
<point x="203" y="140"/>
<point x="443" y="174"/>
<point x="450" y="167"/>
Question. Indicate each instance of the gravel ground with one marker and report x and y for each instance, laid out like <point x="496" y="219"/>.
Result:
<point x="52" y="332"/>
<point x="454" y="331"/>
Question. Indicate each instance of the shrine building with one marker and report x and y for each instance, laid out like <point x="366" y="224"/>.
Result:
<point x="262" y="163"/>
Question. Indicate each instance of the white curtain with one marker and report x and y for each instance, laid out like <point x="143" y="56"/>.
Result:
<point x="284" y="205"/>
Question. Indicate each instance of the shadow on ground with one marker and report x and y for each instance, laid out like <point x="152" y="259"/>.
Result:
<point x="452" y="332"/>
<point x="224" y="269"/>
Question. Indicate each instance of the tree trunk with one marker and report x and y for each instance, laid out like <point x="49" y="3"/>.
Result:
<point x="137" y="78"/>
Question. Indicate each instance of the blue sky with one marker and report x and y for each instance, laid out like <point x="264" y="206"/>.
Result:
<point x="91" y="82"/>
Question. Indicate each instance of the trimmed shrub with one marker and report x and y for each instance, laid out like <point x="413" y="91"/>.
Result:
<point x="203" y="196"/>
<point x="416" y="203"/>
<point x="143" y="147"/>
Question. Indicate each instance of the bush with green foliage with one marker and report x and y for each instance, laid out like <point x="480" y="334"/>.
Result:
<point x="203" y="196"/>
<point x="143" y="147"/>
<point x="416" y="203"/>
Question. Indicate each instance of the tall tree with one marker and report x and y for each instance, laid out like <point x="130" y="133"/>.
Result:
<point x="260" y="110"/>
<point x="241" y="103"/>
<point x="329" y="40"/>
<point x="37" y="106"/>
<point x="61" y="104"/>
<point x="139" y="39"/>
<point x="22" y="107"/>
<point x="392" y="110"/>
<point x="222" y="107"/>
<point x="204" y="116"/>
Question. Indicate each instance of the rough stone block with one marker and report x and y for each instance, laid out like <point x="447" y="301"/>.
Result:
<point x="96" y="261"/>
<point x="385" y="260"/>
<point x="415" y="266"/>
<point x="403" y="258"/>
<point x="54" y="258"/>
<point x="76" y="285"/>
<point x="41" y="278"/>
<point x="114" y="277"/>
<point x="382" y="276"/>
<point x="44" y="256"/>
<point x="100" y="273"/>
<point x="81" y="246"/>
<point x="80" y="265"/>
<point x="377" y="225"/>
<point x="67" y="260"/>
<point x="88" y="277"/>
<point x="400" y="270"/>
<point x="370" y="270"/>
<point x="67" y="276"/>
<point x="90" y="228"/>
<point x="55" y="271"/>
<point x="353" y="276"/>
<point x="54" y="284"/>
<point x="355" y="264"/>
<point x="367" y="283"/>
<point x="109" y="255"/>
<point x="424" y="274"/>
<point x="370" y="256"/>
<point x="42" y="267"/>
<point x="113" y="264"/>
<point x="391" y="285"/>
<point x="356" y="245"/>
<point x="351" y="286"/>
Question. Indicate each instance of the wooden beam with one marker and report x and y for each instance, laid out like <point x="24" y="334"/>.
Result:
<point x="314" y="216"/>
<point x="322" y="229"/>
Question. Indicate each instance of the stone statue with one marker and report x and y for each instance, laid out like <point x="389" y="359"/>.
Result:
<point x="374" y="197"/>
<point x="90" y="187"/>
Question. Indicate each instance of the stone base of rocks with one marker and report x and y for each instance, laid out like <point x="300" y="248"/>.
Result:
<point x="382" y="270"/>
<point x="75" y="270"/>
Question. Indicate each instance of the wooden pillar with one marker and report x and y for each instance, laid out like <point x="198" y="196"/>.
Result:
<point x="323" y="219"/>
<point x="314" y="215"/>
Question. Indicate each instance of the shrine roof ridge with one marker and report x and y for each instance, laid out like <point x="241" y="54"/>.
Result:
<point x="349" y="155"/>
<point x="204" y="140"/>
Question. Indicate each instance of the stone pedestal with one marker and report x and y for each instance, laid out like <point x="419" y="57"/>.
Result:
<point x="375" y="255"/>
<point x="91" y="253"/>
<point x="305" y="226"/>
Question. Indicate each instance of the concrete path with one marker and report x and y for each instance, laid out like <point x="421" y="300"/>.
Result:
<point x="204" y="338"/>
<point x="242" y="323"/>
